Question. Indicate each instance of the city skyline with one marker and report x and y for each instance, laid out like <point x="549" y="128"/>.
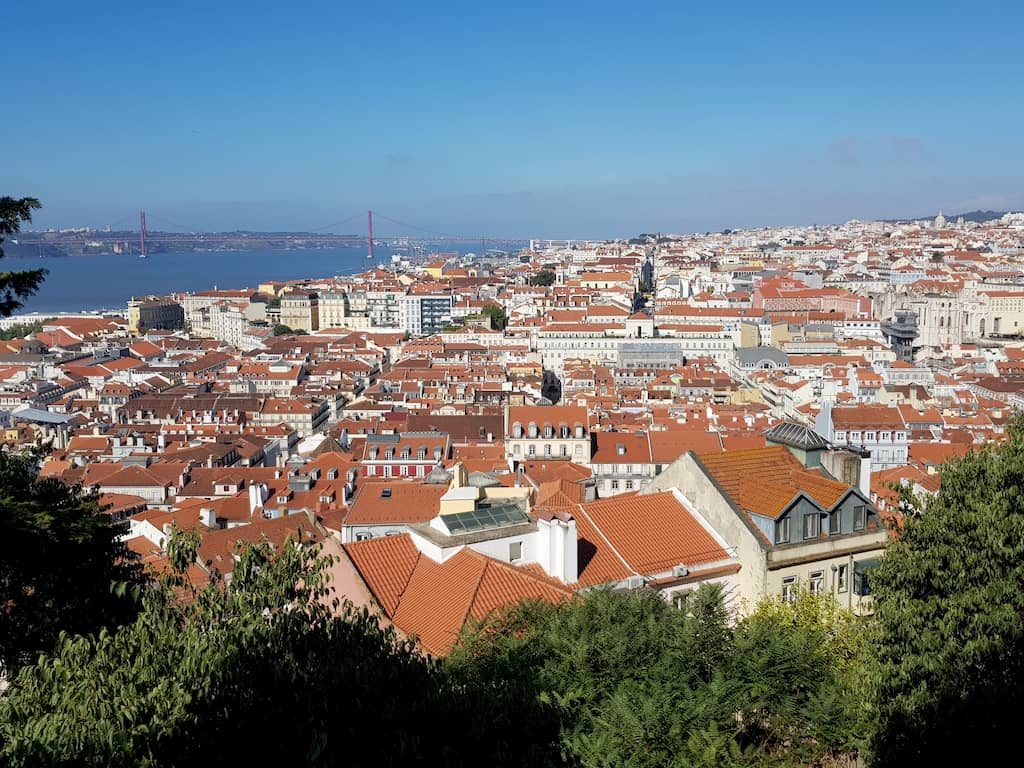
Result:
<point x="525" y="121"/>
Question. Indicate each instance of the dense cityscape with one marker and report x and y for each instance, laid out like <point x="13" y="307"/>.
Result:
<point x="514" y="385"/>
<point x="765" y="391"/>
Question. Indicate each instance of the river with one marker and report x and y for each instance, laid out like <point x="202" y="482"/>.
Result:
<point x="78" y="283"/>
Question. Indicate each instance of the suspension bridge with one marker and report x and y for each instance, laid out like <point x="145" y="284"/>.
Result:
<point x="151" y="231"/>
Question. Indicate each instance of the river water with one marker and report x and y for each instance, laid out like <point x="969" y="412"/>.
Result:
<point x="77" y="283"/>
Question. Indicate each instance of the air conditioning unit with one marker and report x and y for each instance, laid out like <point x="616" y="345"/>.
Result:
<point x="680" y="571"/>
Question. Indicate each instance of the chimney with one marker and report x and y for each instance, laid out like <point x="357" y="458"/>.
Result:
<point x="557" y="546"/>
<point x="864" y="475"/>
<point x="207" y="517"/>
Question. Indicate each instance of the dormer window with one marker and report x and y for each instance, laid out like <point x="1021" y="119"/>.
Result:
<point x="549" y="432"/>
<point x="517" y="430"/>
<point x="437" y="454"/>
<point x="812" y="525"/>
<point x="421" y="453"/>
<point x="860" y="517"/>
<point x="782" y="531"/>
<point x="532" y="430"/>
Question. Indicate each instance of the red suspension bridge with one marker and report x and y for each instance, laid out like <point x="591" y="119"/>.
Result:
<point x="169" y="236"/>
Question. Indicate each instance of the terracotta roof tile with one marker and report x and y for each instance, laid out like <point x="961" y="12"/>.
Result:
<point x="386" y="564"/>
<point x="650" y="533"/>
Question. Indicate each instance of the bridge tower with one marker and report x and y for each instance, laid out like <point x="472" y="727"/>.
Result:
<point x="142" y="233"/>
<point x="369" y="239"/>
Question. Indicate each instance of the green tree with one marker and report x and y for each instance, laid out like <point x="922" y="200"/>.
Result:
<point x="634" y="681"/>
<point x="544" y="277"/>
<point x="62" y="566"/>
<point x="20" y="331"/>
<point x="15" y="287"/>
<point x="260" y="671"/>
<point x="497" y="314"/>
<point x="950" y="617"/>
<point x="282" y="330"/>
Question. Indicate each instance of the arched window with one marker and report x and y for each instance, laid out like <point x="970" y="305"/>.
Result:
<point x="532" y="430"/>
<point x="517" y="430"/>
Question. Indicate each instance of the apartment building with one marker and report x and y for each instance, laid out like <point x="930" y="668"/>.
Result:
<point x="548" y="432"/>
<point x="420" y="314"/>
<point x="154" y="313"/>
<point x="300" y="310"/>
<point x="789" y="523"/>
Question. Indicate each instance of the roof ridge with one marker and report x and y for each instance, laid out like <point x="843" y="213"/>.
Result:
<point x="476" y="589"/>
<point x="405" y="586"/>
<point x="611" y="546"/>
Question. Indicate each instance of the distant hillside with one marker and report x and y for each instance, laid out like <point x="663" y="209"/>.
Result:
<point x="977" y="216"/>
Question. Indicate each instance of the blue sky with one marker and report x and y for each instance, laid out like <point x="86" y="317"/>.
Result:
<point x="556" y="119"/>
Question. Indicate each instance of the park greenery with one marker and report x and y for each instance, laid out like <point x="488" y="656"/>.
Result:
<point x="20" y="331"/>
<point x="544" y="277"/>
<point x="102" y="667"/>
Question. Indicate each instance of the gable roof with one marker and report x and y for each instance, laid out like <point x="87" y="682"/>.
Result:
<point x="434" y="601"/>
<point x="643" y="535"/>
<point x="765" y="481"/>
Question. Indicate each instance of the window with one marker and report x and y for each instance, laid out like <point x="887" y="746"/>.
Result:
<point x="615" y="485"/>
<point x="782" y="531"/>
<point x="860" y="517"/>
<point x="629" y="485"/>
<point x="842" y="574"/>
<point x="515" y="551"/>
<point x="789" y="589"/>
<point x="565" y="451"/>
<point x="816" y="583"/>
<point x="364" y="536"/>
<point x="833" y="523"/>
<point x="681" y="600"/>
<point x="547" y="450"/>
<point x="533" y="451"/>
<point x="812" y="525"/>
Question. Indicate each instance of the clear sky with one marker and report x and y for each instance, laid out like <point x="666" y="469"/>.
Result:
<point x="555" y="119"/>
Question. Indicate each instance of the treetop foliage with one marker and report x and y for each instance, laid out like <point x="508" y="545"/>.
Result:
<point x="637" y="682"/>
<point x="949" y="628"/>
<point x="15" y="287"/>
<point x="544" y="277"/>
<point x="60" y="559"/>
